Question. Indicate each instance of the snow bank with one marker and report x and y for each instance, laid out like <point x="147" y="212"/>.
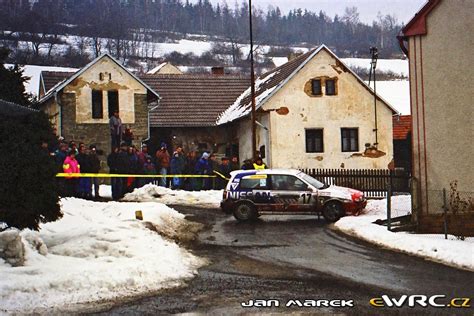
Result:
<point x="434" y="247"/>
<point x="97" y="251"/>
<point x="151" y="192"/>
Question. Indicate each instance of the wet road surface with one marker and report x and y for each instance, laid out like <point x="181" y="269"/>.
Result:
<point x="297" y="257"/>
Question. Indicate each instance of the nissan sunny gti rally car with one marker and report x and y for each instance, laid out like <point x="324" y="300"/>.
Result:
<point x="251" y="193"/>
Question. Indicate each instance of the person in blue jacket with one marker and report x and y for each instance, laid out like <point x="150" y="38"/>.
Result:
<point x="204" y="168"/>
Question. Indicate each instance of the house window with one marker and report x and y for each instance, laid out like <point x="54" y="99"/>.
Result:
<point x="330" y="87"/>
<point x="314" y="141"/>
<point x="316" y="87"/>
<point x="97" y="107"/>
<point x="350" y="139"/>
<point x="113" y="101"/>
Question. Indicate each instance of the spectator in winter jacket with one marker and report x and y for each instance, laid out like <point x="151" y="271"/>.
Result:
<point x="234" y="163"/>
<point x="213" y="166"/>
<point x="247" y="165"/>
<point x="191" y="160"/>
<point x="128" y="136"/>
<point x="177" y="166"/>
<point x="259" y="164"/>
<point x="71" y="166"/>
<point x="224" y="169"/>
<point x="143" y="155"/>
<point x="95" y="168"/>
<point x="84" y="183"/>
<point x="163" y="163"/>
<point x="133" y="166"/>
<point x="116" y="129"/>
<point x="148" y="168"/>
<point x="203" y="168"/>
<point x="122" y="164"/>
<point x="115" y="182"/>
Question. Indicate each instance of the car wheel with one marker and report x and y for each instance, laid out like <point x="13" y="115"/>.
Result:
<point x="332" y="212"/>
<point x="245" y="212"/>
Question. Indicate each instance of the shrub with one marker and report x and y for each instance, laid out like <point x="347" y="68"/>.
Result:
<point x="28" y="189"/>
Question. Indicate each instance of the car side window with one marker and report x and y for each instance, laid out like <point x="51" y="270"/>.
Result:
<point x="284" y="182"/>
<point x="254" y="183"/>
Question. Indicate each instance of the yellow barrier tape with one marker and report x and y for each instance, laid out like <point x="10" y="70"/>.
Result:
<point x="111" y="175"/>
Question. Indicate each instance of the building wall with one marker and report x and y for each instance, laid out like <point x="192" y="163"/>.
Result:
<point x="210" y="139"/>
<point x="352" y="107"/>
<point x="244" y="130"/>
<point x="99" y="133"/>
<point x="120" y="80"/>
<point x="442" y="109"/>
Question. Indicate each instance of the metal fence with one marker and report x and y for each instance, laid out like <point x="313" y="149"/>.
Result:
<point x="373" y="182"/>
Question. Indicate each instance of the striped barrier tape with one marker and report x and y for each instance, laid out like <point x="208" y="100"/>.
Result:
<point x="113" y="175"/>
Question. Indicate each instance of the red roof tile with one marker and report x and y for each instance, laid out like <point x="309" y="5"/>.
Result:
<point x="401" y="127"/>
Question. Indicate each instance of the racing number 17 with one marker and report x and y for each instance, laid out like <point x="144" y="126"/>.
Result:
<point x="306" y="197"/>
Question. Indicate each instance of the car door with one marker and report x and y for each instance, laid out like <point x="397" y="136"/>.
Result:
<point x="290" y="194"/>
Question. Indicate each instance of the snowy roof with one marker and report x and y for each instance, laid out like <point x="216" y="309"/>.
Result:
<point x="269" y="83"/>
<point x="156" y="69"/>
<point x="192" y="100"/>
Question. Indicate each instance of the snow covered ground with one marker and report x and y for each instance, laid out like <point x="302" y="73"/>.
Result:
<point x="153" y="193"/>
<point x="434" y="247"/>
<point x="97" y="251"/>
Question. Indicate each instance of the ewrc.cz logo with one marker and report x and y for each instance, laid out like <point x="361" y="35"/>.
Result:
<point x="420" y="300"/>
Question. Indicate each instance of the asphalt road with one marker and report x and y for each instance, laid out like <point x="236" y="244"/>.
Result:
<point x="289" y="258"/>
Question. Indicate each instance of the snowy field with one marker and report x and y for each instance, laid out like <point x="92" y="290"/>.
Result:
<point x="96" y="252"/>
<point x="433" y="247"/>
<point x="153" y="193"/>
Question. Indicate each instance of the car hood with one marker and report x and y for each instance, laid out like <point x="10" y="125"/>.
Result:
<point x="340" y="192"/>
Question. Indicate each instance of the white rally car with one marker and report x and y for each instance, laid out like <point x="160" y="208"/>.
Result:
<point x="251" y="193"/>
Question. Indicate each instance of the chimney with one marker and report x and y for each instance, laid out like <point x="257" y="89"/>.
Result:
<point x="217" y="71"/>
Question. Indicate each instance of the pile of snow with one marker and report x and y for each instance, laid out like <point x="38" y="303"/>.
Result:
<point x="151" y="192"/>
<point x="431" y="246"/>
<point x="96" y="252"/>
<point x="33" y="72"/>
<point x="238" y="110"/>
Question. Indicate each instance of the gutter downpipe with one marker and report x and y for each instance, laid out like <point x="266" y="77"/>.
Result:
<point x="60" y="118"/>
<point x="148" y="119"/>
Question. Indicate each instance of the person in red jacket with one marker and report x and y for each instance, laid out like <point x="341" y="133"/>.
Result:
<point x="163" y="163"/>
<point x="71" y="165"/>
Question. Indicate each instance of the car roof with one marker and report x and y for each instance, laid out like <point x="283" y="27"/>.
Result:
<point x="267" y="171"/>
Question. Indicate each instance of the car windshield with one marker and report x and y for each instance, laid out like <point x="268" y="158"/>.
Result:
<point x="315" y="183"/>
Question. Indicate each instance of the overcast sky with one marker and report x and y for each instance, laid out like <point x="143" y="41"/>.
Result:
<point x="402" y="9"/>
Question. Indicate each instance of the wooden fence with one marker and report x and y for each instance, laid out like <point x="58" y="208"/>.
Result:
<point x="373" y="182"/>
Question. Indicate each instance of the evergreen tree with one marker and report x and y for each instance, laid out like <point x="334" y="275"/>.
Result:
<point x="12" y="82"/>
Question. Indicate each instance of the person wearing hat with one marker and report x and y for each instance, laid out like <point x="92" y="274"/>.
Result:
<point x="163" y="162"/>
<point x="203" y="168"/>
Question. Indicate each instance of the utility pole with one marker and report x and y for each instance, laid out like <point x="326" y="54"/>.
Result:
<point x="373" y="66"/>
<point x="252" y="87"/>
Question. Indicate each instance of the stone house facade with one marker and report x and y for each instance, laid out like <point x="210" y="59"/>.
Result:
<point x="314" y="112"/>
<point x="438" y="42"/>
<point x="81" y="104"/>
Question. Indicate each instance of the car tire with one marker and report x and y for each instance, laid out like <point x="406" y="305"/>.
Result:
<point x="245" y="211"/>
<point x="332" y="211"/>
